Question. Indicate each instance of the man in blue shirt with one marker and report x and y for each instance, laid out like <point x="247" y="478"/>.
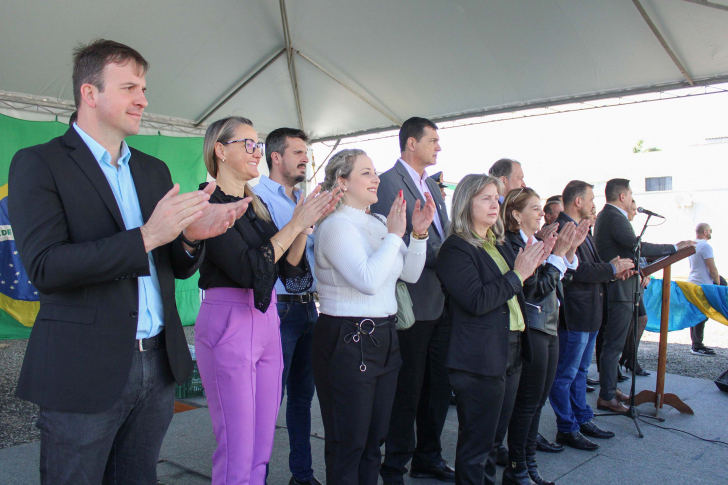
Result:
<point x="286" y="155"/>
<point x="103" y="233"/>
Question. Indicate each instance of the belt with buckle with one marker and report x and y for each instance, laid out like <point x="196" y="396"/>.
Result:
<point x="304" y="298"/>
<point x="151" y="343"/>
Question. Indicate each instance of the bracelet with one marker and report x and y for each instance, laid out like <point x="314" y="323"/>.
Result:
<point x="420" y="236"/>
<point x="193" y="244"/>
<point x="278" y="243"/>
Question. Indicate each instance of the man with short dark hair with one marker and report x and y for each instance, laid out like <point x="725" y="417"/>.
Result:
<point x="509" y="172"/>
<point x="551" y="211"/>
<point x="702" y="272"/>
<point x="103" y="233"/>
<point x="286" y="153"/>
<point x="615" y="237"/>
<point x="580" y="316"/>
<point x="423" y="387"/>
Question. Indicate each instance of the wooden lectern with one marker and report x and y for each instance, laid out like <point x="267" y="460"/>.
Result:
<point x="658" y="398"/>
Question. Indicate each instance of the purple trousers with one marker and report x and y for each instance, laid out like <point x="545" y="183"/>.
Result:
<point x="240" y="361"/>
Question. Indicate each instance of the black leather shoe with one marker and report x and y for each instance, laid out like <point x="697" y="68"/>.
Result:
<point x="394" y="481"/>
<point x="576" y="440"/>
<point x="621" y="377"/>
<point x="592" y="382"/>
<point x="533" y="471"/>
<point x="516" y="473"/>
<point x="591" y="429"/>
<point x="590" y="389"/>
<point x="441" y="471"/>
<point x="313" y="481"/>
<point x="542" y="444"/>
<point x="502" y="456"/>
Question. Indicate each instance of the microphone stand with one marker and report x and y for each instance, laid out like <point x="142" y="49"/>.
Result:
<point x="632" y="411"/>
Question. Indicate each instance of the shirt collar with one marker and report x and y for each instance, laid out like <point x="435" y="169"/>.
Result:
<point x="523" y="236"/>
<point x="624" y="212"/>
<point x="415" y="176"/>
<point x="275" y="187"/>
<point x="100" y="153"/>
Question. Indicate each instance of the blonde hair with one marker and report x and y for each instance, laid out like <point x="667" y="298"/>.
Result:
<point x="461" y="223"/>
<point x="340" y="165"/>
<point x="219" y="132"/>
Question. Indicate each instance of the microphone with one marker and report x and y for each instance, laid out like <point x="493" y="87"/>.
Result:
<point x="642" y="210"/>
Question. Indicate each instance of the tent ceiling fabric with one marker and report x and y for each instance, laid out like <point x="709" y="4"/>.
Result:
<point x="429" y="58"/>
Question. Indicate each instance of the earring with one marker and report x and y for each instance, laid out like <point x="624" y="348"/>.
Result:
<point x="223" y="160"/>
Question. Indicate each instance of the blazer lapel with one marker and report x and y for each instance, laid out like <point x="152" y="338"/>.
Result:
<point x="143" y="187"/>
<point x="408" y="182"/>
<point x="439" y="203"/>
<point x="84" y="158"/>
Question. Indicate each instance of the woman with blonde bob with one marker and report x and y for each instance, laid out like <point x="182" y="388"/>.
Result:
<point x="356" y="358"/>
<point x="483" y="281"/>
<point x="237" y="335"/>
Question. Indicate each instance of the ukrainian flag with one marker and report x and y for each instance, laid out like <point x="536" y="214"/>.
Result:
<point x="19" y="302"/>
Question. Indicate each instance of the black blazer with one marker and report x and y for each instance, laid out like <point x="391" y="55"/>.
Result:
<point x="476" y="302"/>
<point x="427" y="298"/>
<point x="73" y="243"/>
<point x="582" y="306"/>
<point x="614" y="236"/>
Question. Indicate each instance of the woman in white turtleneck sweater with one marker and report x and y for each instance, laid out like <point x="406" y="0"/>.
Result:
<point x="356" y="359"/>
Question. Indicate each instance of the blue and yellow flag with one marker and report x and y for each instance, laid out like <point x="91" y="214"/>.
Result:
<point x="690" y="304"/>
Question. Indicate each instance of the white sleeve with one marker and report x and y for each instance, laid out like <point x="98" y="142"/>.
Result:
<point x="573" y="265"/>
<point x="414" y="260"/>
<point x="340" y="242"/>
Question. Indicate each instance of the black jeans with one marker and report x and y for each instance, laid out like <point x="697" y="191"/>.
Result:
<point x="117" y="446"/>
<point x="355" y="401"/>
<point x="481" y="400"/>
<point x="696" y="335"/>
<point x="533" y="389"/>
<point x="423" y="396"/>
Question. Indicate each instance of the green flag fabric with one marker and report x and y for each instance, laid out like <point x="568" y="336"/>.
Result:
<point x="18" y="298"/>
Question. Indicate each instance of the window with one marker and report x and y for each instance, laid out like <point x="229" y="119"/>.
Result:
<point x="654" y="184"/>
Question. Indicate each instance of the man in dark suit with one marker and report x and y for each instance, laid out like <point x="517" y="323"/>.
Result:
<point x="580" y="316"/>
<point x="103" y="234"/>
<point x="615" y="237"/>
<point x="423" y="389"/>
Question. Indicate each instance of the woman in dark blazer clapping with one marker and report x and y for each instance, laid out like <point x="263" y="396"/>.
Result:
<point x="483" y="280"/>
<point x="522" y="215"/>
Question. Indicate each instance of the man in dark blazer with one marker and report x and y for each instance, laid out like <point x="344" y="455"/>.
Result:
<point x="615" y="237"/>
<point x="423" y="389"/>
<point x="103" y="234"/>
<point x="580" y="317"/>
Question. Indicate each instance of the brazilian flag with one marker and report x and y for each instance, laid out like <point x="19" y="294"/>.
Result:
<point x="19" y="302"/>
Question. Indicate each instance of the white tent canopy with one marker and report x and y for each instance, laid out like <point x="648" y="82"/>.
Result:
<point x="343" y="67"/>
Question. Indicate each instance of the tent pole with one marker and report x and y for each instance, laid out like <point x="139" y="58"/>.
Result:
<point x="706" y="3"/>
<point x="322" y="69"/>
<point x="662" y="40"/>
<point x="211" y="110"/>
<point x="291" y="64"/>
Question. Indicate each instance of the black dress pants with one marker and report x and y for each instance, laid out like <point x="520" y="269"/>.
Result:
<point x="533" y="390"/>
<point x="356" y="377"/>
<point x="423" y="396"/>
<point x="480" y="402"/>
<point x="696" y="335"/>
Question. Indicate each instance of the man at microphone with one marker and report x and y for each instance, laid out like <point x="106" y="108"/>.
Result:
<point x="615" y="237"/>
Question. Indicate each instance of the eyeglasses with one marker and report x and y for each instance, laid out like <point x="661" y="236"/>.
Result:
<point x="250" y="145"/>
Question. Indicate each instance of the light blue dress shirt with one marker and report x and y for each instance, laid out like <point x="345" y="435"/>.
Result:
<point x="151" y="309"/>
<point x="281" y="209"/>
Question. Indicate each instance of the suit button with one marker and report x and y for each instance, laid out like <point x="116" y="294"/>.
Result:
<point x="134" y="275"/>
<point x="134" y="314"/>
